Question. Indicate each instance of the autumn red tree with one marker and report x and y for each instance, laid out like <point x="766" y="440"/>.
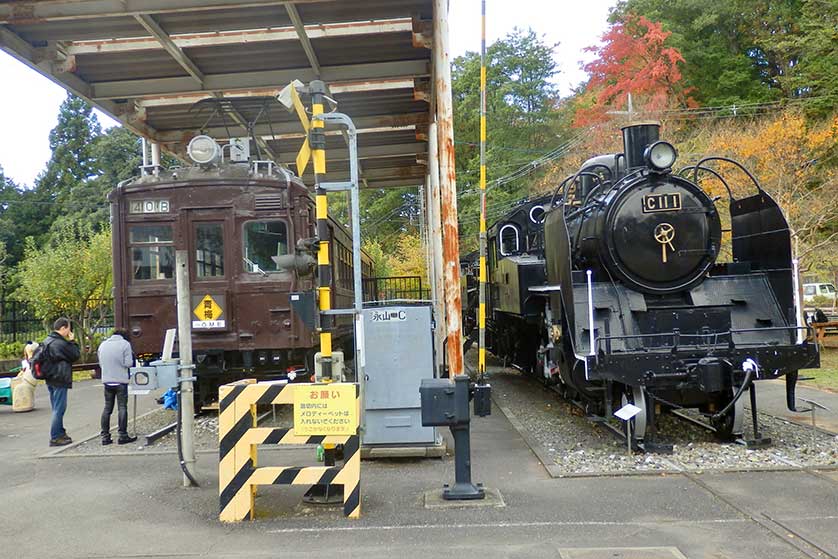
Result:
<point x="633" y="59"/>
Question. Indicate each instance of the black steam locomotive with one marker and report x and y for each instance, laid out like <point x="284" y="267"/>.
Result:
<point x="611" y="289"/>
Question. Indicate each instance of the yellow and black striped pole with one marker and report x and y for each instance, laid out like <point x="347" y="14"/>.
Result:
<point x="481" y="309"/>
<point x="317" y="140"/>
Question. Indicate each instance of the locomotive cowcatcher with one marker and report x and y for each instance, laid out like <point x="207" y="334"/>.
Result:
<point x="611" y="289"/>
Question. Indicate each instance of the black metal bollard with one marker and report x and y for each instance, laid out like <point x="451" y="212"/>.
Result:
<point x="444" y="403"/>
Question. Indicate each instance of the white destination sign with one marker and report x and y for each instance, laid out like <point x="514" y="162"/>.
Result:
<point x="148" y="206"/>
<point x="207" y="324"/>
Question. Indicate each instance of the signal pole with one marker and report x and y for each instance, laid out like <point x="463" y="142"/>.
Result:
<point x="317" y="139"/>
<point x="481" y="308"/>
<point x="184" y="336"/>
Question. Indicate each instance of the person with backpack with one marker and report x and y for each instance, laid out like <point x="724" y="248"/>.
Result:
<point x="53" y="361"/>
<point x="115" y="356"/>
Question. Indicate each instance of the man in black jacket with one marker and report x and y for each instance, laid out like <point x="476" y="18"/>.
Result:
<point x="61" y="352"/>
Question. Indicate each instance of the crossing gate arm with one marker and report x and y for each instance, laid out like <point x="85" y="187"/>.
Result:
<point x="238" y="437"/>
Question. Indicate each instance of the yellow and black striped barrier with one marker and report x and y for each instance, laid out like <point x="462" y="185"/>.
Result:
<point x="323" y="414"/>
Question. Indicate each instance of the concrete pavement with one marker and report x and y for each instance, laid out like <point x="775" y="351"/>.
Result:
<point x="133" y="506"/>
<point x="771" y="399"/>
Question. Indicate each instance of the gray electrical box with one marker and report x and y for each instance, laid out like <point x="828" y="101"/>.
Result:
<point x="398" y="340"/>
<point x="159" y="374"/>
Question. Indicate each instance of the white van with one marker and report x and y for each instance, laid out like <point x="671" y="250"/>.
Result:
<point x="812" y="290"/>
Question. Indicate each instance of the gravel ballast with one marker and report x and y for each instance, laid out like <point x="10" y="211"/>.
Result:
<point x="577" y="446"/>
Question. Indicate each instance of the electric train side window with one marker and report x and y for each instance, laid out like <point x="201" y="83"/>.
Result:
<point x="262" y="241"/>
<point x="510" y="242"/>
<point x="209" y="250"/>
<point x="152" y="252"/>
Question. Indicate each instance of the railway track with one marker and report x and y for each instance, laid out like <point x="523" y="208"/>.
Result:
<point x="618" y="432"/>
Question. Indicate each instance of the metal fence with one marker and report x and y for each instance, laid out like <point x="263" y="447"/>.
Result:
<point x="395" y="287"/>
<point x="18" y="322"/>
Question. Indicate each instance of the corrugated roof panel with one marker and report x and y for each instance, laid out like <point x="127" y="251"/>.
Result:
<point x="224" y="20"/>
<point x="81" y="30"/>
<point x="383" y="47"/>
<point x="330" y="12"/>
<point x="103" y="67"/>
<point x="388" y="155"/>
<point x="249" y="57"/>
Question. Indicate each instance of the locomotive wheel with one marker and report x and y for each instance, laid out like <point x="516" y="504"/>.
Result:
<point x="637" y="397"/>
<point x="729" y="426"/>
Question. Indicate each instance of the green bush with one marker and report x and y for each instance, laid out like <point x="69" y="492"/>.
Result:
<point x="821" y="302"/>
<point x="11" y="350"/>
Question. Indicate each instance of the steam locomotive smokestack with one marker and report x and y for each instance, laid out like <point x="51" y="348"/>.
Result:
<point x="636" y="138"/>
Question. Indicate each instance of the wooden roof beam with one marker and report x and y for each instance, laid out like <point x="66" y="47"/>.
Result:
<point x="358" y="87"/>
<point x="334" y="75"/>
<point x="223" y="38"/>
<point x="290" y="127"/>
<point x="151" y="25"/>
<point x="303" y="37"/>
<point x="68" y="10"/>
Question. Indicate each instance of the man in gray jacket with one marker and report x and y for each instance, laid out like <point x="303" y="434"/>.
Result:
<point x="115" y="356"/>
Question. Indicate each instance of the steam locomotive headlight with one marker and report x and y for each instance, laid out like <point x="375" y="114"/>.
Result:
<point x="203" y="150"/>
<point x="660" y="156"/>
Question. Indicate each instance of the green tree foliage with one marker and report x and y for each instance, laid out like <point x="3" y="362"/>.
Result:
<point x="70" y="276"/>
<point x="85" y="165"/>
<point x="387" y="213"/>
<point x="116" y="157"/>
<point x="729" y="47"/>
<point x="380" y="260"/>
<point x="21" y="215"/>
<point x="73" y="158"/>
<point x="521" y="118"/>
<point x="815" y="40"/>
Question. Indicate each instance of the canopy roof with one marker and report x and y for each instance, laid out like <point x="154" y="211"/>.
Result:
<point x="147" y="62"/>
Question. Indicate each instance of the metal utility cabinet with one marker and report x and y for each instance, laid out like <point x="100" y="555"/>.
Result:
<point x="399" y="354"/>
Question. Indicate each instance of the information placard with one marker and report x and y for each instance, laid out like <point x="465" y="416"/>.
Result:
<point x="325" y="409"/>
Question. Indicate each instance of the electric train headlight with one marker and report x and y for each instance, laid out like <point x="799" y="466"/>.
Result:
<point x="660" y="156"/>
<point x="203" y="150"/>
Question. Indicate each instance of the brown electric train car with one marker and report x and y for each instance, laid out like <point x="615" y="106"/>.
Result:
<point x="241" y="224"/>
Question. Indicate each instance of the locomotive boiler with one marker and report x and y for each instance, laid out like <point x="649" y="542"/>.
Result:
<point x="612" y="289"/>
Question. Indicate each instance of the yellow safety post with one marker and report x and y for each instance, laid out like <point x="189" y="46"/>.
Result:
<point x="481" y="308"/>
<point x="314" y="148"/>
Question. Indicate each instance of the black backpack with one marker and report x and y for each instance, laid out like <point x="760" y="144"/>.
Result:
<point x="41" y="364"/>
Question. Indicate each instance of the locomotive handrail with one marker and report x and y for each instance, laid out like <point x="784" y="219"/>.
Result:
<point x="560" y="187"/>
<point x="711" y="171"/>
<point x="698" y="166"/>
<point x="572" y="178"/>
<point x="715" y="335"/>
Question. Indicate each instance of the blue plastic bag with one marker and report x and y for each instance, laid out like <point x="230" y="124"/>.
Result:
<point x="170" y="400"/>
